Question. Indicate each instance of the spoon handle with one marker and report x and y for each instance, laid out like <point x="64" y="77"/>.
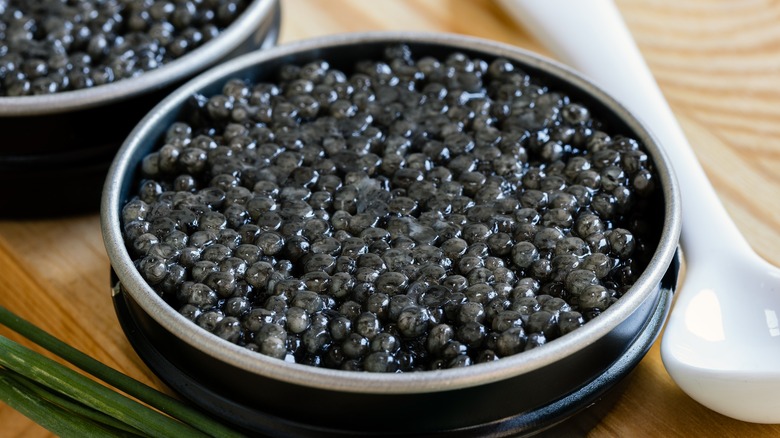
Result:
<point x="590" y="35"/>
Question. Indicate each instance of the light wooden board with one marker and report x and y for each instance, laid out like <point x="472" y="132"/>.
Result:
<point x="718" y="63"/>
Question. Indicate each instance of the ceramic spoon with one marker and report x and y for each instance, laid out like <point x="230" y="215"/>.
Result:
<point x="722" y="341"/>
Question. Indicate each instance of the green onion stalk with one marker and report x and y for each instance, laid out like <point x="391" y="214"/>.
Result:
<point x="68" y="403"/>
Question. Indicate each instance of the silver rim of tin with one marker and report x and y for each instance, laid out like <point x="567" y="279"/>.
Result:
<point x="377" y="383"/>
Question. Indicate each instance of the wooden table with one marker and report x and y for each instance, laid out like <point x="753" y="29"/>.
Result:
<point x="718" y="62"/>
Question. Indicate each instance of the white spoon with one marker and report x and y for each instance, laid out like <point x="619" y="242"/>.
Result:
<point x="722" y="340"/>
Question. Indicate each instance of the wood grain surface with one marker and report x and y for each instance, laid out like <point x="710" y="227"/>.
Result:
<point x="718" y="63"/>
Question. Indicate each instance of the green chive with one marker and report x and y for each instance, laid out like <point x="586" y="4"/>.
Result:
<point x="140" y="391"/>
<point x="60" y="378"/>
<point x="58" y="400"/>
<point x="51" y="417"/>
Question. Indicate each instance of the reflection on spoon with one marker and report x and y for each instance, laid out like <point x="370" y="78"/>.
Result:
<point x="704" y="317"/>
<point x="772" y="322"/>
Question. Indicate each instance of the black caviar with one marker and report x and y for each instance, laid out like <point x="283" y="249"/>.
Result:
<point x="397" y="215"/>
<point x="49" y="46"/>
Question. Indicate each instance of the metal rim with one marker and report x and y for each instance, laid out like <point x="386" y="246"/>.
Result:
<point x="206" y="55"/>
<point x="407" y="383"/>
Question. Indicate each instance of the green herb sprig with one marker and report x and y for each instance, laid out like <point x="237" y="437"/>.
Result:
<point x="70" y="404"/>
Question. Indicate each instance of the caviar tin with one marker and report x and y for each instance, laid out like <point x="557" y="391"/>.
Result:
<point x="57" y="148"/>
<point x="521" y="394"/>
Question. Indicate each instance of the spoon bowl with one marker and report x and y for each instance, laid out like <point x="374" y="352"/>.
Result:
<point x="722" y="341"/>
